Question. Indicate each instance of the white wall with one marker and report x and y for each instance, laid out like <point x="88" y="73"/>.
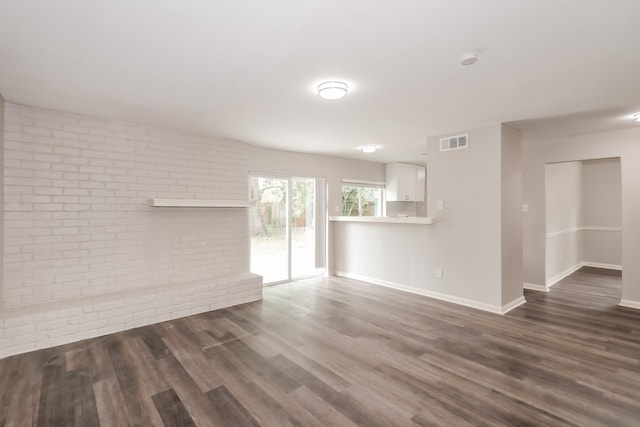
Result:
<point x="563" y="219"/>
<point x="602" y="212"/>
<point x="538" y="151"/>
<point x="85" y="254"/>
<point x="392" y="253"/>
<point x="564" y="196"/>
<point x="466" y="240"/>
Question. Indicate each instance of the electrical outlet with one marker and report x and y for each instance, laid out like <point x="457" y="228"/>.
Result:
<point x="439" y="273"/>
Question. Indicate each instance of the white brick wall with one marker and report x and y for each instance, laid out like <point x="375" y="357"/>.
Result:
<point x="78" y="227"/>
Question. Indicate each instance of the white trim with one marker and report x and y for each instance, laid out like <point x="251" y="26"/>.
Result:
<point x="535" y="287"/>
<point x="363" y="182"/>
<point x="629" y="304"/>
<point x="563" y="232"/>
<point x="558" y="277"/>
<point x="200" y="203"/>
<point x="513" y="304"/>
<point x="386" y="219"/>
<point x="436" y="295"/>
<point x="602" y="265"/>
<point x="278" y="176"/>
<point x="614" y="229"/>
<point x="555" y="279"/>
<point x="585" y="228"/>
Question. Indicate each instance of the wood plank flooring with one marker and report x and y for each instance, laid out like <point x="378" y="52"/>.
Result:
<point x="336" y="352"/>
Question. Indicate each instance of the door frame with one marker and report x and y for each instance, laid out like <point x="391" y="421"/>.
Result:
<point x="319" y="214"/>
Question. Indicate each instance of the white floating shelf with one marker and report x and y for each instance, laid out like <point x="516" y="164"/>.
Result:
<point x="199" y="203"/>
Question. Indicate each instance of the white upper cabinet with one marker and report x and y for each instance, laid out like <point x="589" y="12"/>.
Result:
<point x="405" y="182"/>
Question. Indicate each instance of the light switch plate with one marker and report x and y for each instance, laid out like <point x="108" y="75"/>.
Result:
<point x="440" y="204"/>
<point x="525" y="207"/>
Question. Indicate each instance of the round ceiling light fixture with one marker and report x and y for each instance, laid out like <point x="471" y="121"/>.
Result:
<point x="370" y="148"/>
<point x="332" y="90"/>
<point x="636" y="117"/>
<point x="469" y="58"/>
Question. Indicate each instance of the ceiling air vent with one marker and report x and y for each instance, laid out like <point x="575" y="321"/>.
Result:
<point x="454" y="142"/>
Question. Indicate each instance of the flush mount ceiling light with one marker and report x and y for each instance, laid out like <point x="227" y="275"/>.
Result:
<point x="636" y="117"/>
<point x="332" y="90"/>
<point x="369" y="148"/>
<point x="469" y="58"/>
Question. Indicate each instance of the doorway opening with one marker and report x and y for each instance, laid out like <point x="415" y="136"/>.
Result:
<point x="287" y="227"/>
<point x="583" y="217"/>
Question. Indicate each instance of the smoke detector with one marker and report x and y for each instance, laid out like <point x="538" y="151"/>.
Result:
<point x="469" y="58"/>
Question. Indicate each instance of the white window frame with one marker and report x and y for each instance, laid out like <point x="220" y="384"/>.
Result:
<point x="367" y="184"/>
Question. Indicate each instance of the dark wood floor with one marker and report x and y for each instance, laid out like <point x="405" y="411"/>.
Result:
<point x="334" y="352"/>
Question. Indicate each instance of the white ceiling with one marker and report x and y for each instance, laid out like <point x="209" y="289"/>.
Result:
<point x="246" y="69"/>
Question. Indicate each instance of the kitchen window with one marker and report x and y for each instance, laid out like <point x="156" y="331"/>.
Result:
<point x="362" y="199"/>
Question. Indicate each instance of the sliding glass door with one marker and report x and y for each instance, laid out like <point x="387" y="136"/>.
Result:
<point x="268" y="226"/>
<point x="303" y="227"/>
<point x="286" y="240"/>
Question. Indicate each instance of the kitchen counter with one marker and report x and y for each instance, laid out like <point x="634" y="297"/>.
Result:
<point x="419" y="220"/>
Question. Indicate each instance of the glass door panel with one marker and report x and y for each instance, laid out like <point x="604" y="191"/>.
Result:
<point x="303" y="227"/>
<point x="268" y="224"/>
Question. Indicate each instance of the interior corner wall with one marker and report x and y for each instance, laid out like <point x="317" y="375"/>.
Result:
<point x="464" y="242"/>
<point x="538" y="151"/>
<point x="84" y="254"/>
<point x="511" y="215"/>
<point x="563" y="201"/>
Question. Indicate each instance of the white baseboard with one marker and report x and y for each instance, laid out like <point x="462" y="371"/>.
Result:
<point x="630" y="304"/>
<point x="558" y="277"/>
<point x="535" y="287"/>
<point x="436" y="295"/>
<point x="601" y="265"/>
<point x="513" y="304"/>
